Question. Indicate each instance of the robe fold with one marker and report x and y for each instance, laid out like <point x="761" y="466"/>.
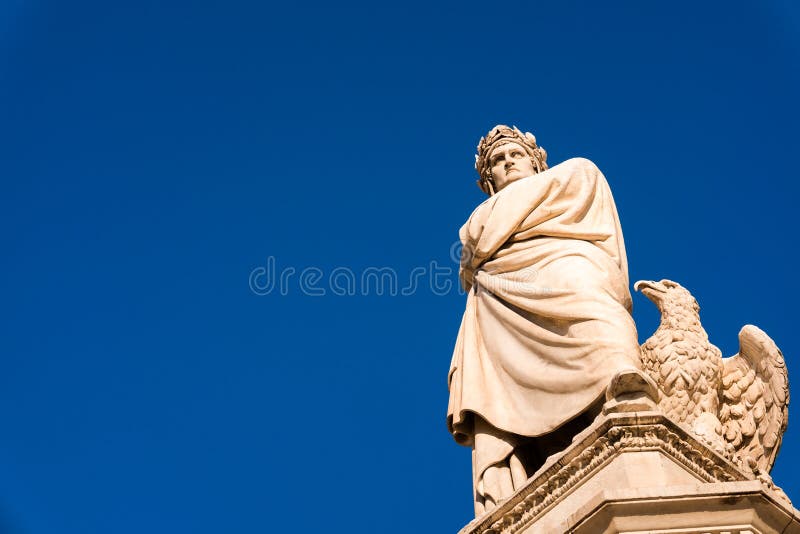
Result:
<point x="547" y="321"/>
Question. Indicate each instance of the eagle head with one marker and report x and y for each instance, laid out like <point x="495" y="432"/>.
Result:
<point x="668" y="296"/>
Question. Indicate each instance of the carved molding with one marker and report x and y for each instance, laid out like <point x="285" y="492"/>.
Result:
<point x="739" y="529"/>
<point x="610" y="438"/>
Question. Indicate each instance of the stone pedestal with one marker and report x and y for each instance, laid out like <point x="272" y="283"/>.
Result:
<point x="640" y="473"/>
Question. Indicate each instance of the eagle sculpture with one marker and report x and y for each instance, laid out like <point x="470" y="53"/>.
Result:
<point x="738" y="405"/>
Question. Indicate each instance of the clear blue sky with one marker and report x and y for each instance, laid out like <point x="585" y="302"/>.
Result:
<point x="154" y="154"/>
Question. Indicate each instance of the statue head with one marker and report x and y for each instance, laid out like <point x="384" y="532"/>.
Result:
<point x="505" y="155"/>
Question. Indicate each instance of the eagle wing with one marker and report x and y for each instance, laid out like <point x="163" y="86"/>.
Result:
<point x="754" y="409"/>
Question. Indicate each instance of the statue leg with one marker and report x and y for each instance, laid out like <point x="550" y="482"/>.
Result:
<point x="502" y="462"/>
<point x="497" y="469"/>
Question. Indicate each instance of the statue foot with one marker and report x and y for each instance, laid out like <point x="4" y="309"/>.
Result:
<point x="631" y="390"/>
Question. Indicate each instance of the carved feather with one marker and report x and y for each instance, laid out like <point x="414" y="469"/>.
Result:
<point x="747" y="394"/>
<point x="754" y="408"/>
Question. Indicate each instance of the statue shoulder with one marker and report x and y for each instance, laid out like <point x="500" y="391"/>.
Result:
<point x="581" y="163"/>
<point x="582" y="169"/>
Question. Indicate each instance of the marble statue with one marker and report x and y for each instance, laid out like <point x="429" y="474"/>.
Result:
<point x="547" y="325"/>
<point x="575" y="427"/>
<point x="739" y="405"/>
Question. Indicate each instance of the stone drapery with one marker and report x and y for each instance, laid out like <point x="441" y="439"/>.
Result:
<point x="547" y="320"/>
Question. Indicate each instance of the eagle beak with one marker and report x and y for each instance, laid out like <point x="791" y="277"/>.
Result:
<point x="650" y="289"/>
<point x="642" y="283"/>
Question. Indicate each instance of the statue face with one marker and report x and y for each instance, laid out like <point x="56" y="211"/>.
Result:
<point x="509" y="163"/>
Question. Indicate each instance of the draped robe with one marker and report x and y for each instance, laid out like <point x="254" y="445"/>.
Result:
<point x="547" y="321"/>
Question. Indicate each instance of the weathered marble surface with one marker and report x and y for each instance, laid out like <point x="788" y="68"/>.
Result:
<point x="547" y="321"/>
<point x="637" y="473"/>
<point x="547" y="337"/>
<point x="740" y="404"/>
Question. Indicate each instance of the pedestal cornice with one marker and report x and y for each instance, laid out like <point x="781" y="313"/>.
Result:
<point x="609" y="453"/>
